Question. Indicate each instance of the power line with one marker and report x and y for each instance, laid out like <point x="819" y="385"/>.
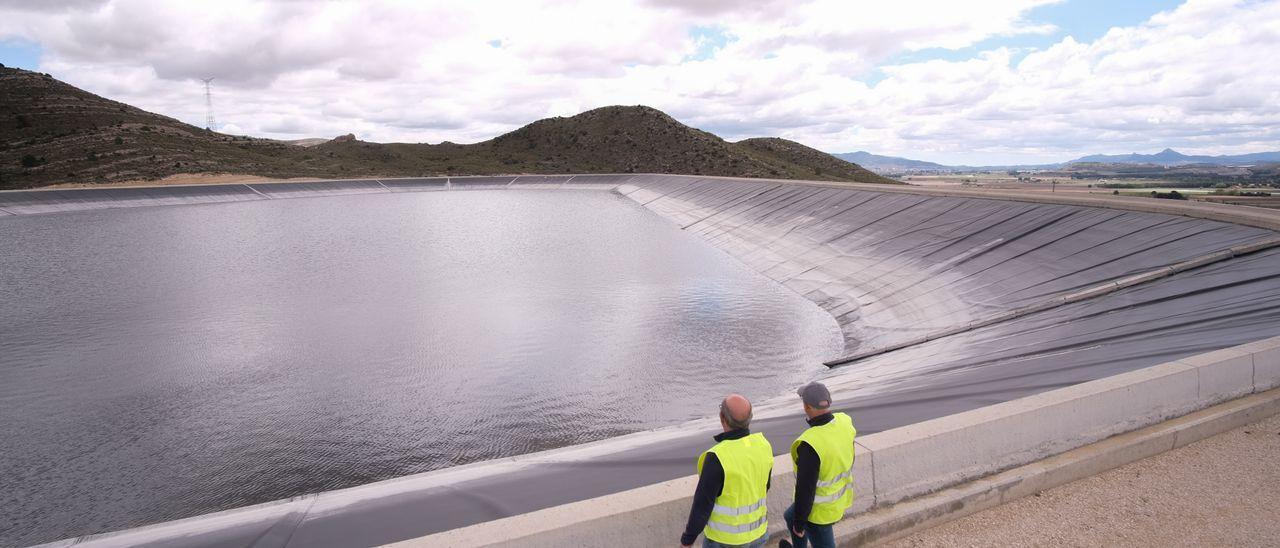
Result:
<point x="208" y="104"/>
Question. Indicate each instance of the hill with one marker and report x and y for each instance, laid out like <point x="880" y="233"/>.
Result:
<point x="52" y="132"/>
<point x="1170" y="157"/>
<point x="890" y="164"/>
<point x="786" y="154"/>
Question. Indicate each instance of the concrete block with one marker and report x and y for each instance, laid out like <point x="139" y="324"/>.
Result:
<point x="1266" y="369"/>
<point x="892" y="522"/>
<point x="884" y="524"/>
<point x="1088" y="461"/>
<point x="1266" y="363"/>
<point x="928" y="456"/>
<point x="1223" y="374"/>
<point x="863" y="479"/>
<point x="1223" y="417"/>
<point x="782" y="491"/>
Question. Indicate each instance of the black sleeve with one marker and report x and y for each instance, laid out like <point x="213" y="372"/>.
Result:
<point x="710" y="483"/>
<point x="806" y="480"/>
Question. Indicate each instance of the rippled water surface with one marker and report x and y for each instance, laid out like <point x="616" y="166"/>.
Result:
<point x="163" y="362"/>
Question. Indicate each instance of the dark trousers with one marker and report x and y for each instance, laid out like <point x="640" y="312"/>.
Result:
<point x="818" y="536"/>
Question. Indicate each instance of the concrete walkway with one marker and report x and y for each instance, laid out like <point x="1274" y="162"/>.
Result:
<point x="1220" y="491"/>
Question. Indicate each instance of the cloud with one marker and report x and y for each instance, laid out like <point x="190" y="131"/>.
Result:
<point x="393" y="70"/>
<point x="1195" y="77"/>
<point x="716" y="8"/>
<point x="48" y="6"/>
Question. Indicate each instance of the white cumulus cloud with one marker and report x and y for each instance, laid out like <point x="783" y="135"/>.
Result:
<point x="821" y="72"/>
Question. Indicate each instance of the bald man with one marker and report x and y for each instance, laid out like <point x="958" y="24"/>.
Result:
<point x="733" y="479"/>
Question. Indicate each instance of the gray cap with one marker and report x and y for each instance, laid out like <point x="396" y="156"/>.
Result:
<point x="815" y="395"/>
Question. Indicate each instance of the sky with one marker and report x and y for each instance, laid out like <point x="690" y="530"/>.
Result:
<point x="977" y="83"/>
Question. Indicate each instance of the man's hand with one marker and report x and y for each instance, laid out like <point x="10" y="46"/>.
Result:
<point x="798" y="531"/>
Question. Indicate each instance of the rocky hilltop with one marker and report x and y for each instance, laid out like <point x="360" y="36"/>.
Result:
<point x="52" y="132"/>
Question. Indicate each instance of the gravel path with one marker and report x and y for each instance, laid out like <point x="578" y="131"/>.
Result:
<point x="1221" y="491"/>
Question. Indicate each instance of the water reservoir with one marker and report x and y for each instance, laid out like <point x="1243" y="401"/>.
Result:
<point x="158" y="363"/>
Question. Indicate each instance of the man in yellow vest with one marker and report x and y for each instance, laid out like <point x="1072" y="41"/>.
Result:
<point x="823" y="456"/>
<point x="733" y="479"/>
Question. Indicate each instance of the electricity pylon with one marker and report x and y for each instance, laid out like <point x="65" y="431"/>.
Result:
<point x="208" y="104"/>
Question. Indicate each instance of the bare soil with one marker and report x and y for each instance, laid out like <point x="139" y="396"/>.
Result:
<point x="1220" y="491"/>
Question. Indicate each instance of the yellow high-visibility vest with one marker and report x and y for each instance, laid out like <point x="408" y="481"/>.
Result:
<point x="833" y="442"/>
<point x="739" y="514"/>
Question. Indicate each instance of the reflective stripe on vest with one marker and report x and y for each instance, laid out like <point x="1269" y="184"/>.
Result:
<point x="847" y="475"/>
<point x="834" y="496"/>
<point x="833" y="442"/>
<point x="738" y="529"/>
<point x="740" y="512"/>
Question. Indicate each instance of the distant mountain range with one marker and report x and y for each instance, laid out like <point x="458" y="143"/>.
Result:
<point x="52" y="132"/>
<point x="1167" y="157"/>
<point x="1170" y="157"/>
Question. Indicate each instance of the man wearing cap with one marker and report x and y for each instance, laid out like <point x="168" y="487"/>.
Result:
<point x="823" y="456"/>
<point x="733" y="479"/>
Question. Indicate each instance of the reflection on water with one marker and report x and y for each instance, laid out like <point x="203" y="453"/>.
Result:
<point x="157" y="363"/>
